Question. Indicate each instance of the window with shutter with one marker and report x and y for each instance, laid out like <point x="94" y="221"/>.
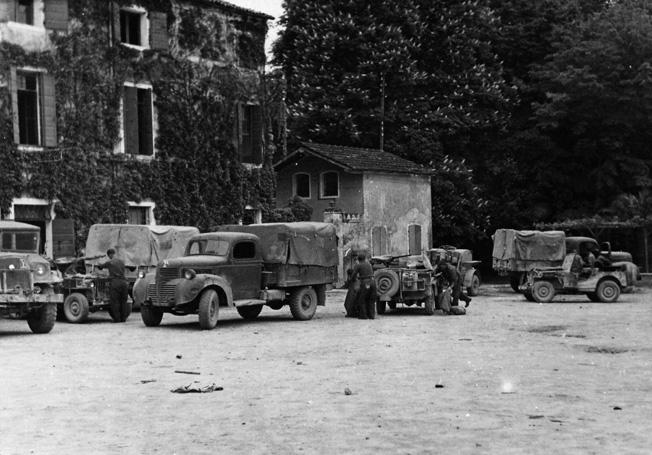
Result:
<point x="414" y="238"/>
<point x="250" y="134"/>
<point x="330" y="185"/>
<point x="133" y="27"/>
<point x="301" y="183"/>
<point x="34" y="108"/>
<point x="137" y="118"/>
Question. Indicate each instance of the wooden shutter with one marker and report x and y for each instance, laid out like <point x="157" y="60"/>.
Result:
<point x="56" y="15"/>
<point x="13" y="88"/>
<point x="130" y="119"/>
<point x="257" y="134"/>
<point x="145" y="145"/>
<point x="49" y="111"/>
<point x="158" y="31"/>
<point x="7" y="10"/>
<point x="379" y="239"/>
<point x="239" y="117"/>
<point x="116" y="22"/>
<point x="414" y="237"/>
<point x="63" y="238"/>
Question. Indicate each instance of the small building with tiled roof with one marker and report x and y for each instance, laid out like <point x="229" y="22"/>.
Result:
<point x="381" y="201"/>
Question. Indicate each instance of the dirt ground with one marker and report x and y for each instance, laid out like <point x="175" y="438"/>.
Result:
<point x="510" y="377"/>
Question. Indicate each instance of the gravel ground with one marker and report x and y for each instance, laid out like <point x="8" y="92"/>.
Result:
<point x="510" y="377"/>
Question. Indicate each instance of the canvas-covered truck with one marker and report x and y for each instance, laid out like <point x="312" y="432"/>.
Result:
<point x="515" y="253"/>
<point x="246" y="267"/>
<point x="141" y="247"/>
<point x="27" y="282"/>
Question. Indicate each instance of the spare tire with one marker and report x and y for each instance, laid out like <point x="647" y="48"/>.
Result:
<point x="387" y="282"/>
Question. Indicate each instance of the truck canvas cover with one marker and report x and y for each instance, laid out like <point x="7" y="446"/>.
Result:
<point x="520" y="248"/>
<point x="301" y="243"/>
<point x="138" y="245"/>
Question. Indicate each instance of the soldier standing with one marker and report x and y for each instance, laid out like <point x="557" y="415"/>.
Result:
<point x="367" y="292"/>
<point x="118" y="293"/>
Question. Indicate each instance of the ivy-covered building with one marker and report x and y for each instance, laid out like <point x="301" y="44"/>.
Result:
<point x="138" y="111"/>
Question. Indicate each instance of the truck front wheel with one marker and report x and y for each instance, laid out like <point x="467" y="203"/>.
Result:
<point x="543" y="291"/>
<point x="209" y="309"/>
<point x="608" y="291"/>
<point x="151" y="315"/>
<point x="250" y="312"/>
<point x="41" y="320"/>
<point x="475" y="286"/>
<point x="303" y="303"/>
<point x="75" y="307"/>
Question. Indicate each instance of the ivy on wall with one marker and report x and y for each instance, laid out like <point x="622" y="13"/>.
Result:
<point x="195" y="179"/>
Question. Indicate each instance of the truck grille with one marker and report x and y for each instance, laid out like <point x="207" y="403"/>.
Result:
<point x="160" y="292"/>
<point x="10" y="279"/>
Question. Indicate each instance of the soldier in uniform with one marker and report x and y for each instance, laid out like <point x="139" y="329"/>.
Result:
<point x="119" y="308"/>
<point x="455" y="279"/>
<point x="367" y="293"/>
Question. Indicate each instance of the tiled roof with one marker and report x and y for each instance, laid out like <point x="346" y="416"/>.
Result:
<point x="235" y="8"/>
<point x="358" y="159"/>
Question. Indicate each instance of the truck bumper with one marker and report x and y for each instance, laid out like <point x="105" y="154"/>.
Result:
<point x="33" y="298"/>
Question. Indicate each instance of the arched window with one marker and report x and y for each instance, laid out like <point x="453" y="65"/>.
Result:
<point x="301" y="185"/>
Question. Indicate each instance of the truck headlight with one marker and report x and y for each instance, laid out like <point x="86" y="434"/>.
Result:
<point x="189" y="274"/>
<point x="141" y="274"/>
<point x="40" y="270"/>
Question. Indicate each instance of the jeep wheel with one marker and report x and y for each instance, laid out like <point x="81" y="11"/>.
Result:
<point x="430" y="305"/>
<point x="593" y="297"/>
<point x="475" y="286"/>
<point x="151" y="315"/>
<point x="75" y="307"/>
<point x="529" y="297"/>
<point x="209" y="309"/>
<point x="387" y="282"/>
<point x="543" y="291"/>
<point x="303" y="303"/>
<point x="515" y="281"/>
<point x="250" y="312"/>
<point x="41" y="320"/>
<point x="381" y="306"/>
<point x="608" y="291"/>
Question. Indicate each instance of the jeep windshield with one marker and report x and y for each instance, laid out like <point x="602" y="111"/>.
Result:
<point x="208" y="246"/>
<point x="24" y="242"/>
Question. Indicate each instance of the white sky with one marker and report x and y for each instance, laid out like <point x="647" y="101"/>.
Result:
<point x="271" y="7"/>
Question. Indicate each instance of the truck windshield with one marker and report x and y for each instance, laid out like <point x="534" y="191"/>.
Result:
<point x="20" y="241"/>
<point x="210" y="246"/>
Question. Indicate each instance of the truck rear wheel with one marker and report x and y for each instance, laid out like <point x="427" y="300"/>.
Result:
<point x="249" y="312"/>
<point x="475" y="286"/>
<point x="608" y="291"/>
<point x="209" y="309"/>
<point x="75" y="307"/>
<point x="151" y="315"/>
<point x="41" y="320"/>
<point x="303" y="303"/>
<point x="543" y="291"/>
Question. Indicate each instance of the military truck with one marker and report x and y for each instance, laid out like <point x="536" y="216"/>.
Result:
<point x="462" y="260"/>
<point x="86" y="288"/>
<point x="515" y="253"/>
<point x="407" y="280"/>
<point x="246" y="267"/>
<point x="600" y="284"/>
<point x="27" y="282"/>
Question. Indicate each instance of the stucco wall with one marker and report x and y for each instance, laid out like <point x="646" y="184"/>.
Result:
<point x="350" y="200"/>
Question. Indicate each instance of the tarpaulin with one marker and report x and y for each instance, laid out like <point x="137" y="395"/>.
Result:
<point x="529" y="245"/>
<point x="301" y="243"/>
<point x="138" y="245"/>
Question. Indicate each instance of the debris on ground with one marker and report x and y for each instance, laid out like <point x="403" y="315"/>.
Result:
<point x="186" y="372"/>
<point x="195" y="388"/>
<point x="147" y="381"/>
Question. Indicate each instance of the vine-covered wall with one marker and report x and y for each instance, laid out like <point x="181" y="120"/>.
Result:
<point x="195" y="178"/>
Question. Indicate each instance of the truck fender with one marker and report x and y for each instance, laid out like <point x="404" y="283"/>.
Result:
<point x="468" y="277"/>
<point x="188" y="290"/>
<point x="139" y="291"/>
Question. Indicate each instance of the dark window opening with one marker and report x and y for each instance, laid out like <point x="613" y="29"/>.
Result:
<point x="244" y="250"/>
<point x="138" y="120"/>
<point x="250" y="131"/>
<point x="130" y="23"/>
<point x="25" y="12"/>
<point x="302" y="185"/>
<point x="330" y="184"/>
<point x="138" y="215"/>
<point x="28" y="109"/>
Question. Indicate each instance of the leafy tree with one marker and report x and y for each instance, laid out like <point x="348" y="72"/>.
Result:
<point x="598" y="110"/>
